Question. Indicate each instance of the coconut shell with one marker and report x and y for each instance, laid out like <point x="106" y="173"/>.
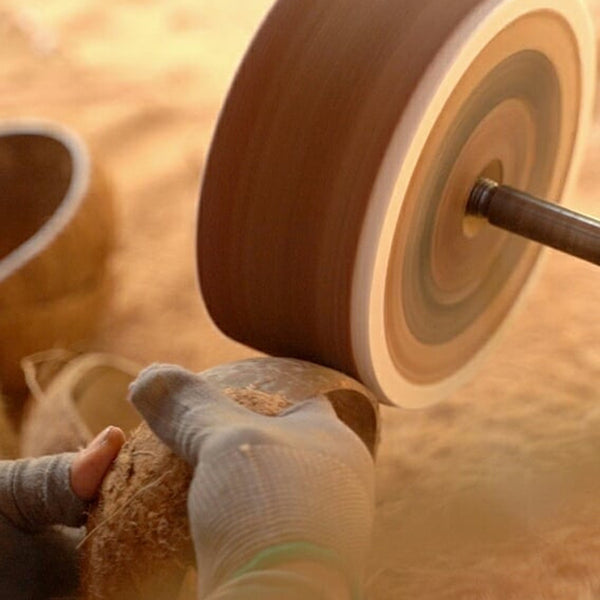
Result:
<point x="79" y="395"/>
<point x="55" y="234"/>
<point x="138" y="544"/>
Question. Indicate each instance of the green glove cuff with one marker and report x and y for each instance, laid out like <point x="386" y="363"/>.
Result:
<point x="284" y="553"/>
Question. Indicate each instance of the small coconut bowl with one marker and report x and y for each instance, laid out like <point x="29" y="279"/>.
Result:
<point x="55" y="233"/>
<point x="73" y="399"/>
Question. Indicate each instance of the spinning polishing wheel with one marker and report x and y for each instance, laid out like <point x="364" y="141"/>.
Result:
<point x="360" y="150"/>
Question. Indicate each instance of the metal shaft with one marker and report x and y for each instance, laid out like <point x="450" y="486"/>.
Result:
<point x="536" y="219"/>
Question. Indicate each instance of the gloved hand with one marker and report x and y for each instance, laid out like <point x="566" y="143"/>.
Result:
<point x="36" y="560"/>
<point x="293" y="492"/>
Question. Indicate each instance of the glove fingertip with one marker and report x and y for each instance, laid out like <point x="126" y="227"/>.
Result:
<point x="156" y="382"/>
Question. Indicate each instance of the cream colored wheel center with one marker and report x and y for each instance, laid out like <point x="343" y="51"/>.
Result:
<point x="332" y="221"/>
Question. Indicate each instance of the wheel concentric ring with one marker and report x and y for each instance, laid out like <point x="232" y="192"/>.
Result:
<point x="331" y="218"/>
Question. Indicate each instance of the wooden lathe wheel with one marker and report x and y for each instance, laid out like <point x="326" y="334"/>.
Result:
<point x="331" y="222"/>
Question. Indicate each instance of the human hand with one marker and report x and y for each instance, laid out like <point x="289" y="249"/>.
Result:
<point x="38" y="561"/>
<point x="297" y="489"/>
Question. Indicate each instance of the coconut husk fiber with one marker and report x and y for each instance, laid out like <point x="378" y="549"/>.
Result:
<point x="138" y="544"/>
<point x="56" y="228"/>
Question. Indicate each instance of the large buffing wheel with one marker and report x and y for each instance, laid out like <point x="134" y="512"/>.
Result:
<point x="332" y="216"/>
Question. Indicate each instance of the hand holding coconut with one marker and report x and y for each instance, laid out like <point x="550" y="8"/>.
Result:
<point x="36" y="560"/>
<point x="278" y="506"/>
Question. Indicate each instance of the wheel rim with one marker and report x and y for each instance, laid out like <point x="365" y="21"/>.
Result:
<point x="427" y="343"/>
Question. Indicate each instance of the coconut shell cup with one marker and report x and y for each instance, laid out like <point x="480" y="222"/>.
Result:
<point x="79" y="396"/>
<point x="55" y="234"/>
<point x="138" y="542"/>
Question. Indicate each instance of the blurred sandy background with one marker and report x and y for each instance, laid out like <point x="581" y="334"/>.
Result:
<point x="493" y="494"/>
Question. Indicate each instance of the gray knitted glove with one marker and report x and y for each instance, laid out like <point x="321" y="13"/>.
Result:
<point x="266" y="491"/>
<point x="36" y="492"/>
<point x="37" y="561"/>
<point x="38" y="498"/>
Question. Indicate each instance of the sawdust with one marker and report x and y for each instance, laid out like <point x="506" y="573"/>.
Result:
<point x="258" y="401"/>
